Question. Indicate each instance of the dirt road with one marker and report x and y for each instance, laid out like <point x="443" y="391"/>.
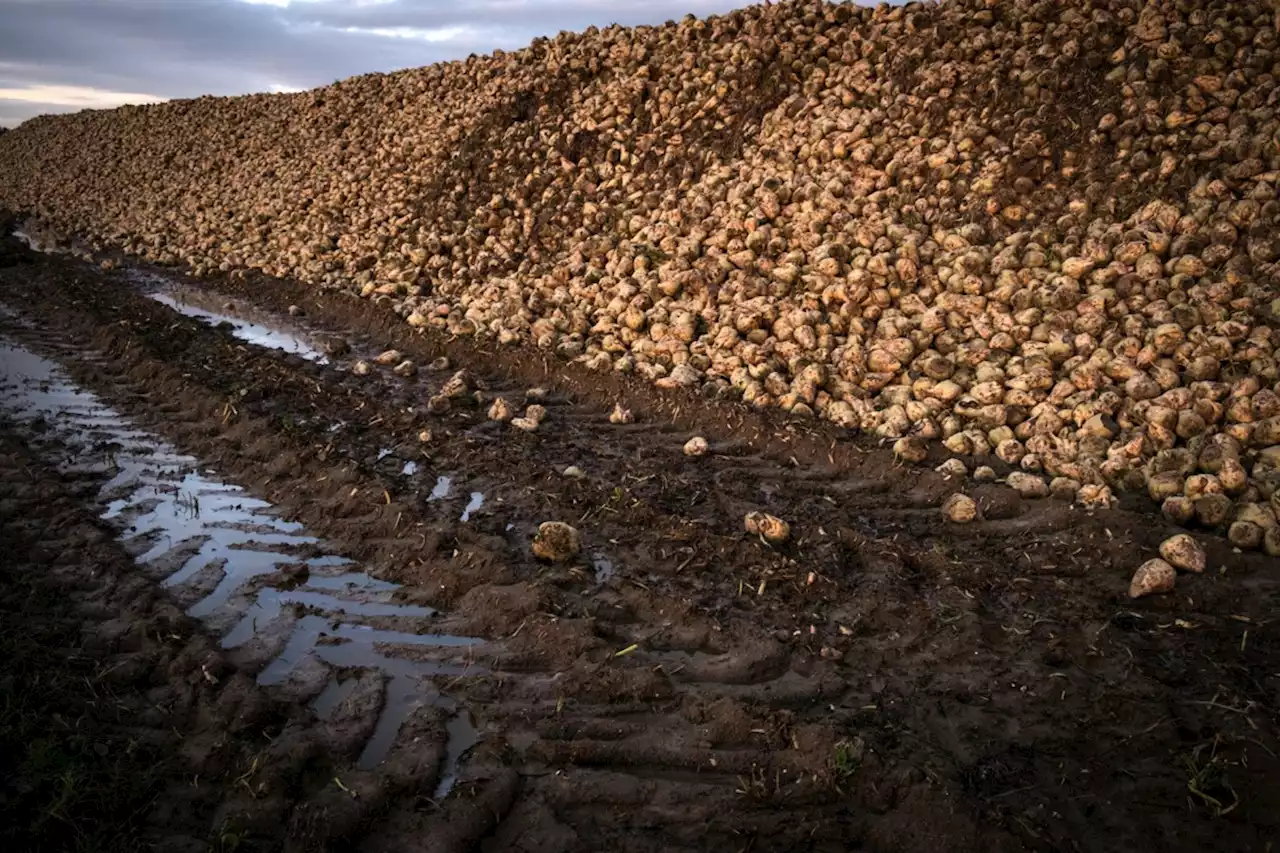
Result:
<point x="373" y="658"/>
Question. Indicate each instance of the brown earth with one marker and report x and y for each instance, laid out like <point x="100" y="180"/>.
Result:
<point x="122" y="727"/>
<point x="883" y="681"/>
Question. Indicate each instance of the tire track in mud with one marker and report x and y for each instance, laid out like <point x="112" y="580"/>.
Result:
<point x="116" y="668"/>
<point x="883" y="680"/>
<point x="642" y="753"/>
<point x="209" y="544"/>
<point x="176" y="732"/>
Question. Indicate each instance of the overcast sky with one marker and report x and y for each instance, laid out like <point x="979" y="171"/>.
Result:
<point x="66" y="55"/>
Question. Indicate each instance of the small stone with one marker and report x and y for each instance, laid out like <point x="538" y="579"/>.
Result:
<point x="536" y="395"/>
<point x="984" y="474"/>
<point x="574" y="472"/>
<point x="389" y="357"/>
<point x="440" y="365"/>
<point x="439" y="404"/>
<point x="526" y="424"/>
<point x="501" y="410"/>
<point x="536" y="413"/>
<point x="772" y="529"/>
<point x="960" y="508"/>
<point x="953" y="467"/>
<point x="361" y="368"/>
<point x="425" y="436"/>
<point x="295" y="311"/>
<point x="696" y="446"/>
<point x="405" y="369"/>
<point x="911" y="449"/>
<point x="1028" y="485"/>
<point x="1153" y="576"/>
<point x="621" y="415"/>
<point x="1183" y="552"/>
<point x="557" y="542"/>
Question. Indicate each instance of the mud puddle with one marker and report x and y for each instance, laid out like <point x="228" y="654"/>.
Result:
<point x="29" y="241"/>
<point x="250" y="329"/>
<point x="213" y="545"/>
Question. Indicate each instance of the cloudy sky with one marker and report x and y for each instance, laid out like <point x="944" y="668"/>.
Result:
<point x="65" y="55"/>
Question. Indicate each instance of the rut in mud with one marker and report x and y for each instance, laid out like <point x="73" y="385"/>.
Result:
<point x="208" y="542"/>
<point x="881" y="681"/>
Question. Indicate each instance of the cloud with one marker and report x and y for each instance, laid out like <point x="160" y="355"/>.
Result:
<point x="65" y="54"/>
<point x="438" y="34"/>
<point x="81" y="97"/>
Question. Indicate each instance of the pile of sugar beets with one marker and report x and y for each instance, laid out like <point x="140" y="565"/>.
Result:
<point x="1045" y="232"/>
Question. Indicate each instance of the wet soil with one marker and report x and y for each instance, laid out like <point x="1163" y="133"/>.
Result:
<point x="122" y="726"/>
<point x="883" y="681"/>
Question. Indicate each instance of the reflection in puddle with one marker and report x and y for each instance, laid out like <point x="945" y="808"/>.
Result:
<point x="477" y="501"/>
<point x="332" y="696"/>
<point x="32" y="243"/>
<point x="407" y="689"/>
<point x="409" y="469"/>
<point x="183" y="300"/>
<point x="462" y="736"/>
<point x="353" y="580"/>
<point x="441" y="488"/>
<point x="604" y="568"/>
<point x="53" y="245"/>
<point x="177" y="517"/>
<point x="358" y="650"/>
<point x="166" y="510"/>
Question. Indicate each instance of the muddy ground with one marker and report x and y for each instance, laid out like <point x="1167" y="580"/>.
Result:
<point x="885" y="681"/>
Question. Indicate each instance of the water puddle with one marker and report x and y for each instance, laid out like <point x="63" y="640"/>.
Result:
<point x="462" y="736"/>
<point x="353" y="580"/>
<point x="51" y="246"/>
<point x="333" y="695"/>
<point x="32" y="243"/>
<point x="441" y="489"/>
<point x="212" y="540"/>
<point x="604" y="568"/>
<point x="407" y="690"/>
<point x="409" y="469"/>
<point x="264" y="331"/>
<point x="195" y="304"/>
<point x="477" y="501"/>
